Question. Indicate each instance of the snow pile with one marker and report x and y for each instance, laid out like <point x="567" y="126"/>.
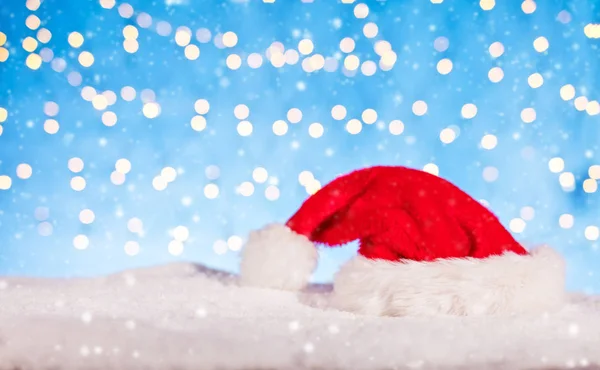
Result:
<point x="184" y="316"/>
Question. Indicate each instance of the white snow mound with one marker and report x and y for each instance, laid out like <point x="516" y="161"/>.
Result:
<point x="185" y="316"/>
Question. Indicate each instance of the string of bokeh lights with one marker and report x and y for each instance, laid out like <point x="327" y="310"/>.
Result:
<point x="277" y="55"/>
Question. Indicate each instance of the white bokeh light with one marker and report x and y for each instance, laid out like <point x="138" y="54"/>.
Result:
<point x="556" y="164"/>
<point x="527" y="213"/>
<point x="431" y="168"/>
<point x="489" y="141"/>
<point x="468" y="111"/>
<point x="396" y="127"/>
<point x="78" y="183"/>
<point x="305" y="177"/>
<point x="123" y="166"/>
<point x="419" y="108"/>
<point x="235" y="243"/>
<point x="517" y="225"/>
<point x="316" y="130"/>
<point x="175" y="247"/>
<point x="294" y="115"/>
<point x="211" y="191"/>
<point x="567" y="181"/>
<point x="181" y="233"/>
<point x="81" y="242"/>
<point x="490" y="174"/>
<point x="241" y="111"/>
<point x="338" y="112"/>
<point x="169" y="174"/>
<point x="260" y="175"/>
<point x="135" y="225"/>
<point x="566" y="221"/>
<point x="159" y="183"/>
<point x="75" y="165"/>
<point x="131" y="248"/>
<point x="246" y="189"/>
<point x="117" y="178"/>
<point x="592" y="233"/>
<point x="87" y="216"/>
<point x="245" y="128"/>
<point x="24" y="171"/>
<point x="220" y="247"/>
<point x="272" y="193"/>
<point x="280" y="127"/>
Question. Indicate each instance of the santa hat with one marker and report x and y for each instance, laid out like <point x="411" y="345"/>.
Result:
<point x="426" y="247"/>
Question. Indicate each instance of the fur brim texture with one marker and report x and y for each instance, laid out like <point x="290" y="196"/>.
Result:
<point x="277" y="257"/>
<point x="498" y="285"/>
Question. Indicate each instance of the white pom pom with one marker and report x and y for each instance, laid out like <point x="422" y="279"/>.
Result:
<point x="277" y="257"/>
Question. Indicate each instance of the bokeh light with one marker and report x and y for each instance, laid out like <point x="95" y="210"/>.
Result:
<point x="489" y="142"/>
<point x="347" y="45"/>
<point x="241" y="111"/>
<point x="245" y="128"/>
<point x="24" y="171"/>
<point x="86" y="59"/>
<point x="75" y="39"/>
<point x="5" y="182"/>
<point x="260" y="175"/>
<point x="361" y="11"/>
<point x="496" y="49"/>
<point x="419" y="108"/>
<point x="567" y="92"/>
<point x="33" y="61"/>
<point x="294" y="115"/>
<point x="468" y="111"/>
<point x="541" y="44"/>
<point x="316" y="130"/>
<point x="135" y="225"/>
<point x="396" y="127"/>
<point x="87" y="216"/>
<point x="338" y="112"/>
<point x="81" y="242"/>
<point x="444" y="66"/>
<point x="132" y="248"/>
<point x="32" y="22"/>
<point x="198" y="123"/>
<point x="432" y="168"/>
<point x="354" y="126"/>
<point x="556" y="164"/>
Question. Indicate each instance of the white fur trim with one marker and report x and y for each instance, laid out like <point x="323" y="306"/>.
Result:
<point x="498" y="285"/>
<point x="277" y="257"/>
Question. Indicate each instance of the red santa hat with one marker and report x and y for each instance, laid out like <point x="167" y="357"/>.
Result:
<point x="426" y="247"/>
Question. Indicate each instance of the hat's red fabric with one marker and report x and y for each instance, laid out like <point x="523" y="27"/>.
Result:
<point x="401" y="213"/>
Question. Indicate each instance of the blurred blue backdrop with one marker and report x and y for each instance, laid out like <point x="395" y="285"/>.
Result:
<point x="499" y="98"/>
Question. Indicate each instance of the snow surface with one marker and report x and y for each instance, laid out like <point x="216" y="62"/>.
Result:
<point x="185" y="316"/>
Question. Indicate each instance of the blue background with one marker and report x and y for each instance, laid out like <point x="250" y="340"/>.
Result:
<point x="411" y="27"/>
